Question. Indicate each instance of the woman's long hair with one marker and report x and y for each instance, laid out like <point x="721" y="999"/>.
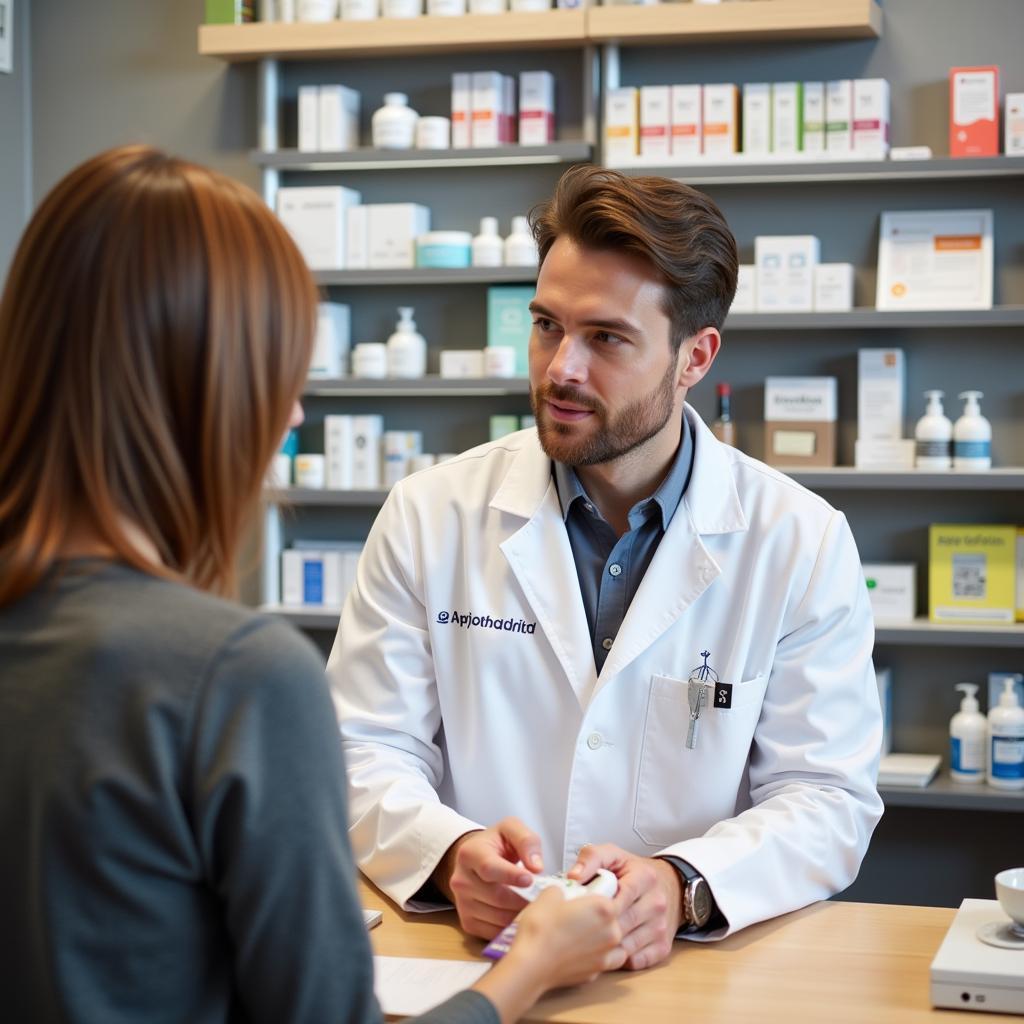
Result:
<point x="155" y="330"/>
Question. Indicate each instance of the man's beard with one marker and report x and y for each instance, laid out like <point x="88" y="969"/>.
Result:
<point x="631" y="427"/>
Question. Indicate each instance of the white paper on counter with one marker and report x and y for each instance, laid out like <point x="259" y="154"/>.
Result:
<point x="407" y="986"/>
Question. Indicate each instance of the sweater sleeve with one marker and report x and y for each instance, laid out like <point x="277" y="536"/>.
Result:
<point x="268" y="801"/>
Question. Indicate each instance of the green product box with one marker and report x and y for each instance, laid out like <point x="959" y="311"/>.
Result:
<point x="509" y="321"/>
<point x="228" y="12"/>
<point x="502" y="425"/>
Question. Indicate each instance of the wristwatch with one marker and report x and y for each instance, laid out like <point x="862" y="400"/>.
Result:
<point x="698" y="903"/>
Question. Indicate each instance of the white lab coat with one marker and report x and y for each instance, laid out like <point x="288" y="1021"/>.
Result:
<point x="449" y="727"/>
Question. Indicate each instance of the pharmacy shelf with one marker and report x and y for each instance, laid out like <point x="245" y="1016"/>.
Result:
<point x="388" y="37"/>
<point x="946" y="794"/>
<point x="866" y="318"/>
<point x="750" y="171"/>
<point x="305" y="618"/>
<point x="286" y="496"/>
<point x="922" y="633"/>
<point x="421" y="387"/>
<point x="764" y="20"/>
<point x="423" y="159"/>
<point x="846" y="478"/>
<point x="427" y="275"/>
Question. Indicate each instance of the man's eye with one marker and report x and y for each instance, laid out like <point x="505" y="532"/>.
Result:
<point x="607" y="339"/>
<point x="544" y="324"/>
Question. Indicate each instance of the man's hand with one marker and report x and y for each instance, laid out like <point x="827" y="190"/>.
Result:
<point x="477" y="868"/>
<point x="649" y="901"/>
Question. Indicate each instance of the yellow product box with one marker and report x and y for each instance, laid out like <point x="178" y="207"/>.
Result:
<point x="972" y="573"/>
<point x="1020" y="573"/>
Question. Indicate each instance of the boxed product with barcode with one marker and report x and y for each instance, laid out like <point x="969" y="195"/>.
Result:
<point x="687" y="120"/>
<point x="892" y="590"/>
<point x="721" y="113"/>
<point x="655" y="121"/>
<point x="621" y="124"/>
<point x="871" y="117"/>
<point x="814" y="117"/>
<point x="787" y="117"/>
<point x="757" y="117"/>
<point x="339" y="118"/>
<point x="462" y="88"/>
<point x="971" y="573"/>
<point x="315" y="218"/>
<point x="839" y="116"/>
<point x="833" y="287"/>
<point x="785" y="272"/>
<point x="536" y="108"/>
<point x="800" y="416"/>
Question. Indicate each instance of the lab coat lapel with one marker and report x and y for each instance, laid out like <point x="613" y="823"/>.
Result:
<point x="540" y="557"/>
<point x="682" y="568"/>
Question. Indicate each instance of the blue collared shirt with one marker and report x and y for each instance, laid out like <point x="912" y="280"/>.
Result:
<point x="610" y="567"/>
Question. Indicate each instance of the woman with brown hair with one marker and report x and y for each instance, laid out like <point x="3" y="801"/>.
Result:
<point x="172" y="798"/>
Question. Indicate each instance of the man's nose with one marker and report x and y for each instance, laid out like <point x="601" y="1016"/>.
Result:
<point x="569" y="365"/>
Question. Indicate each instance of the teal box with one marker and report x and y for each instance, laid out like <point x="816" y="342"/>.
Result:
<point x="509" y="321"/>
<point x="502" y="425"/>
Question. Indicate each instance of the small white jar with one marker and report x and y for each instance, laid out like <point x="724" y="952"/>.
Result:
<point x="310" y="471"/>
<point x="359" y="10"/>
<point x="446" y="8"/>
<point x="370" y="359"/>
<point x="499" y="361"/>
<point x="433" y="133"/>
<point x="394" y="124"/>
<point x="401" y="8"/>
<point x="317" y="10"/>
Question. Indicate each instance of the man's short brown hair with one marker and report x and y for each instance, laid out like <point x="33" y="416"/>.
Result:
<point x="675" y="228"/>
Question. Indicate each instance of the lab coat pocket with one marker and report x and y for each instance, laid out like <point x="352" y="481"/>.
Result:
<point x="681" y="792"/>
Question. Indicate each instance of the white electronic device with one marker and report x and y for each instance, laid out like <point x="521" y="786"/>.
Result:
<point x="980" y="964"/>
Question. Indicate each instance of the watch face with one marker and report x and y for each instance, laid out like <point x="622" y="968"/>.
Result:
<point x="700" y="902"/>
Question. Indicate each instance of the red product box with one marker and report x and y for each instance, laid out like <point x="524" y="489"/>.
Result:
<point x="974" y="111"/>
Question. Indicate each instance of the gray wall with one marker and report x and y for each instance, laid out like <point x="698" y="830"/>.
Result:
<point x="16" y="136"/>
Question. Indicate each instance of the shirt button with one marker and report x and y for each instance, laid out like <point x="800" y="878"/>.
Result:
<point x="615" y="569"/>
<point x="607" y="642"/>
<point x="594" y="740"/>
<point x="588" y="506"/>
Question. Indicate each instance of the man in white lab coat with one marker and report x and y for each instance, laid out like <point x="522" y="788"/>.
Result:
<point x="612" y="641"/>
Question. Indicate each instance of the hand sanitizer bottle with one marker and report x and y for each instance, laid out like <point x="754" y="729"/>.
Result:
<point x="972" y="435"/>
<point x="968" y="736"/>
<point x="407" y="350"/>
<point x="933" y="435"/>
<point x="487" y="246"/>
<point x="1006" y="741"/>
<point x="520" y="247"/>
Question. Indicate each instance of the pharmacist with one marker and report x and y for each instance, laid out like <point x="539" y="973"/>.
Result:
<point x="612" y="640"/>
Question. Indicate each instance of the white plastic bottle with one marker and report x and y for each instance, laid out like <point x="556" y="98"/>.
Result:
<point x="933" y="435"/>
<point x="407" y="349"/>
<point x="968" y="738"/>
<point x="520" y="247"/>
<point x="972" y="435"/>
<point x="394" y="124"/>
<point x="488" y="249"/>
<point x="1006" y="741"/>
<point x="401" y="8"/>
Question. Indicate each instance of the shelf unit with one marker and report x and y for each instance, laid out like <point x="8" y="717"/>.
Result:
<point x="422" y="387"/>
<point x="945" y="794"/>
<point x="427" y="275"/>
<point x="867" y="318"/>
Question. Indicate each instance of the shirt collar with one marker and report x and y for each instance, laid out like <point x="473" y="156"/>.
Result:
<point x="667" y="497"/>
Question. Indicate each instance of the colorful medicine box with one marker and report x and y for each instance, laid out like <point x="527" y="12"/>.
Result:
<point x="971" y="573"/>
<point x="509" y="321"/>
<point x="974" y="111"/>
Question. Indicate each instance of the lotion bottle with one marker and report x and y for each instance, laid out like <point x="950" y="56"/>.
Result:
<point x="972" y="435"/>
<point x="520" y="247"/>
<point x="968" y="738"/>
<point x="487" y="246"/>
<point x="394" y="124"/>
<point x="407" y="349"/>
<point x="1006" y="741"/>
<point x="933" y="435"/>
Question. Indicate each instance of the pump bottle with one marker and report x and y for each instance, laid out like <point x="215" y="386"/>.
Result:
<point x="972" y="435"/>
<point x="933" y="435"/>
<point x="968" y="737"/>
<point x="520" y="247"/>
<point x="407" y="350"/>
<point x="487" y="246"/>
<point x="1006" y="741"/>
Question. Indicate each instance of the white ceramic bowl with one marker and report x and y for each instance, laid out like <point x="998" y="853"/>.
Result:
<point x="1010" y="891"/>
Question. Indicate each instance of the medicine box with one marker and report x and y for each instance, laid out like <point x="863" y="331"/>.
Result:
<point x="392" y="230"/>
<point x="311" y="577"/>
<point x="839" y="116"/>
<point x="357" y="238"/>
<point x="315" y="218"/>
<point x="339" y="452"/>
<point x="655" y="121"/>
<point x="1020" y="577"/>
<point x="460" y="363"/>
<point x="333" y="338"/>
<point x="787" y="117"/>
<point x="881" y="394"/>
<point x="974" y="111"/>
<point x="509" y="322"/>
<point x="621" y="125"/>
<point x="883" y="679"/>
<point x="1014" y="124"/>
<point x="367" y="452"/>
<point x="971" y="573"/>
<point x="687" y="121"/>
<point x="461" y="111"/>
<point x="892" y="590"/>
<point x="339" y="118"/>
<point x="309" y="118"/>
<point x="833" y="287"/>
<point x="785" y="272"/>
<point x="487" y="103"/>
<point x="721" y="113"/>
<point x="757" y="117"/>
<point x="745" y="299"/>
<point x="885" y="455"/>
<point x="536" y="108"/>
<point x="871" y="117"/>
<point x="800" y="421"/>
<point x="814" y="117"/>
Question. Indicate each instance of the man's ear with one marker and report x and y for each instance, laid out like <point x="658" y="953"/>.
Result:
<point x="696" y="354"/>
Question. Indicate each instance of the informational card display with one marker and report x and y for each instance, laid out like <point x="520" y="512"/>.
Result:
<point x="935" y="259"/>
